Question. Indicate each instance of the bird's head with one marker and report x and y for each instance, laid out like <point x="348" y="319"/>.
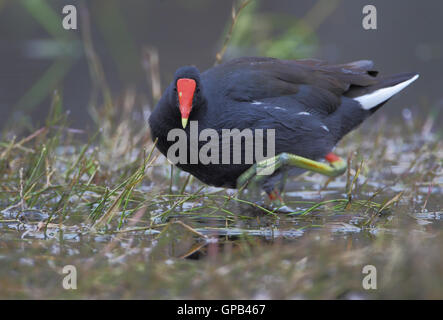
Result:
<point x="186" y="92"/>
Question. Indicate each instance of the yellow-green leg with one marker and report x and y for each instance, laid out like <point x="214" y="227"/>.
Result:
<point x="335" y="167"/>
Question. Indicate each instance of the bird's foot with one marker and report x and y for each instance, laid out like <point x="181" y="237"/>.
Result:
<point x="259" y="171"/>
<point x="278" y="204"/>
<point x="276" y="198"/>
<point x="256" y="173"/>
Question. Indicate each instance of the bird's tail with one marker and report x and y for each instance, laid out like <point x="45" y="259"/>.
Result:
<point x="371" y="97"/>
<point x="360" y="102"/>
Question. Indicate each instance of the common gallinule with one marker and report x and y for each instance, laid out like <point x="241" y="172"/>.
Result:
<point x="310" y="104"/>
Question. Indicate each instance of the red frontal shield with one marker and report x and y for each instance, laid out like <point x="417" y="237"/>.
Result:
<point x="185" y="91"/>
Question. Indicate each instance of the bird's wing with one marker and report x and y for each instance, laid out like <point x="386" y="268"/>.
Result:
<point x="313" y="83"/>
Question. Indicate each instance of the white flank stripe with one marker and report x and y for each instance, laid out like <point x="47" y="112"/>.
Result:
<point x="373" y="99"/>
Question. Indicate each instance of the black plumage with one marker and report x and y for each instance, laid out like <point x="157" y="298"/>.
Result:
<point x="311" y="105"/>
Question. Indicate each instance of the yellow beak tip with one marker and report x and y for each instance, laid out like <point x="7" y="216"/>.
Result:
<point x="184" y="122"/>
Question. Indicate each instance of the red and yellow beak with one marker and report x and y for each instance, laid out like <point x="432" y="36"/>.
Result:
<point x="185" y="91"/>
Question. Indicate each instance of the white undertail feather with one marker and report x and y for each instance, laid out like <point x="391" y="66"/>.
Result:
<point x="373" y="99"/>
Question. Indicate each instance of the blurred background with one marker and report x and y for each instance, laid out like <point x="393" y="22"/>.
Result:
<point x="134" y="43"/>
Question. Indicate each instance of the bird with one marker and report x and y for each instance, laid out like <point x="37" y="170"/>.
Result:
<point x="309" y="104"/>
